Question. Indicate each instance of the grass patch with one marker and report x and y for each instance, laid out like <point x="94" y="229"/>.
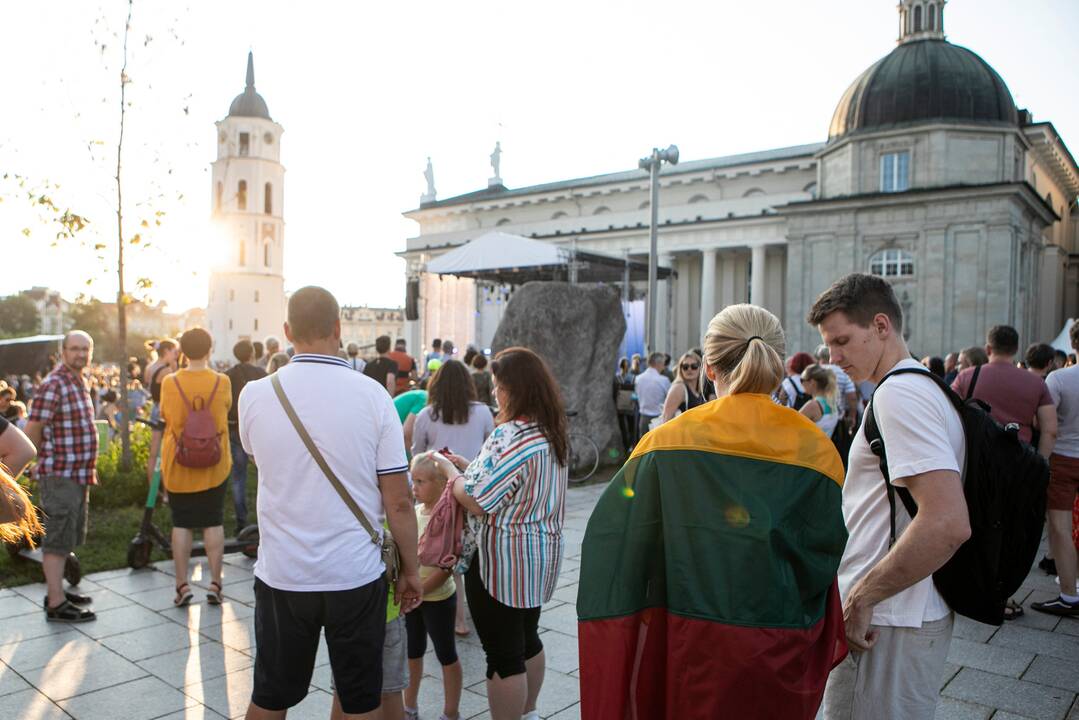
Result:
<point x="112" y="528"/>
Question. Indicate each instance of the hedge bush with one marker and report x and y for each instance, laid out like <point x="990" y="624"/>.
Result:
<point x="118" y="487"/>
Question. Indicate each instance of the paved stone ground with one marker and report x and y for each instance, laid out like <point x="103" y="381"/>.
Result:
<point x="144" y="659"/>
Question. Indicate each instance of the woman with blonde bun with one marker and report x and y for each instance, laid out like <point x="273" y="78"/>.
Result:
<point x="708" y="569"/>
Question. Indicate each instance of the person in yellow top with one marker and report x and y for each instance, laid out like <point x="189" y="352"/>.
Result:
<point x="196" y="490"/>
<point x="437" y="613"/>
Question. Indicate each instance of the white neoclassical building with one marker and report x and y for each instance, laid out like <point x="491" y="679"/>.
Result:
<point x="930" y="176"/>
<point x="247" y="293"/>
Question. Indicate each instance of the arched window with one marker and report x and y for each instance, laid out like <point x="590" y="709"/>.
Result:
<point x="220" y="194"/>
<point x="892" y="263"/>
<point x="268" y="200"/>
<point x="601" y="210"/>
<point x="811" y="188"/>
<point x="243" y="254"/>
<point x="256" y="299"/>
<point x="932" y="20"/>
<point x="698" y="199"/>
<point x="558" y="215"/>
<point x="266" y="254"/>
<point x="503" y="221"/>
<point x="241" y="195"/>
<point x="753" y="192"/>
<point x="917" y="18"/>
<point x="256" y="324"/>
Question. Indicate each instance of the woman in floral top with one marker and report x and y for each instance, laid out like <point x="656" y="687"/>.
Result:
<point x="515" y="489"/>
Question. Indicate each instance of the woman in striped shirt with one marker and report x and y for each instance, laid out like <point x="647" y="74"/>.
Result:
<point x="516" y="490"/>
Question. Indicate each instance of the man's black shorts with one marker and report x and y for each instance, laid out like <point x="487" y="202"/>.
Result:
<point x="287" y="628"/>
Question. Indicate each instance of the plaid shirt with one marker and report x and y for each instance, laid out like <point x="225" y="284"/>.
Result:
<point x="63" y="406"/>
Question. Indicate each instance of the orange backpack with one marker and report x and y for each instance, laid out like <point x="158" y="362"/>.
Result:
<point x="199" y="445"/>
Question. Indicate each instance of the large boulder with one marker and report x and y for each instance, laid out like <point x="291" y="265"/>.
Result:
<point x="577" y="329"/>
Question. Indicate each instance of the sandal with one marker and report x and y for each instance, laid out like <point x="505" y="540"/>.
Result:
<point x="1012" y="610"/>
<point x="183" y="595"/>
<point x="68" y="611"/>
<point x="214" y="596"/>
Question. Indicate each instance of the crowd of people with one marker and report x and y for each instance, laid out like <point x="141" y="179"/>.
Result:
<point x="748" y="539"/>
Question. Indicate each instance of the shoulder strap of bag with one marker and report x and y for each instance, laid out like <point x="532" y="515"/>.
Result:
<point x="217" y="381"/>
<point x="321" y="461"/>
<point x="183" y="396"/>
<point x="973" y="382"/>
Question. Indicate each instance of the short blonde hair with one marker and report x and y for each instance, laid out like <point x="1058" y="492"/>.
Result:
<point x="427" y="460"/>
<point x="745" y="346"/>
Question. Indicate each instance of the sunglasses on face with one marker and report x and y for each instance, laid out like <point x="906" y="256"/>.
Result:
<point x="690" y="366"/>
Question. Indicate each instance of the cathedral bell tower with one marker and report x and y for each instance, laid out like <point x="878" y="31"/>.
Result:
<point x="247" y="292"/>
<point x="921" y="20"/>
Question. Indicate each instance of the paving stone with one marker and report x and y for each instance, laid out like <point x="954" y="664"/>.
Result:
<point x="1052" y="671"/>
<point x="120" y="620"/>
<point x="151" y="641"/>
<point x="102" y="598"/>
<point x="430" y="701"/>
<point x="110" y="574"/>
<point x="1039" y="642"/>
<point x="561" y="652"/>
<point x="237" y="634"/>
<point x="562" y="618"/>
<point x="14" y="605"/>
<point x="61" y="680"/>
<point x="36" y="591"/>
<point x="227" y="695"/>
<point x="240" y="592"/>
<point x="10" y="681"/>
<point x="1016" y="696"/>
<point x="569" y="577"/>
<point x="138" y="580"/>
<point x="1004" y="715"/>
<point x="1068" y="626"/>
<point x="192" y="712"/>
<point x="558" y="693"/>
<point x="197" y="663"/>
<point x="30" y="704"/>
<point x="567" y="593"/>
<point x="571" y="713"/>
<point x="991" y="658"/>
<point x="199" y="616"/>
<point x="972" y="630"/>
<point x="141" y="699"/>
<point x="950" y="671"/>
<point x="29" y="627"/>
<point x="230" y="575"/>
<point x="949" y="709"/>
<point x="38" y="652"/>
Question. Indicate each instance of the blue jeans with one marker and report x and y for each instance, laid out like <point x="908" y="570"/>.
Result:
<point x="239" y="479"/>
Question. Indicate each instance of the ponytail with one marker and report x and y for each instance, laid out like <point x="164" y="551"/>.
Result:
<point x="745" y="346"/>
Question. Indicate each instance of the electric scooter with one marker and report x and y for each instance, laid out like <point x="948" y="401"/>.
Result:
<point x="142" y="545"/>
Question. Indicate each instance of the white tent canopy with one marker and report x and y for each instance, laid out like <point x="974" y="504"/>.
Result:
<point x="1063" y="341"/>
<point x="498" y="251"/>
<point x="504" y="258"/>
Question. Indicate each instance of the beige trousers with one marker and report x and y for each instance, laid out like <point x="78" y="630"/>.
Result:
<point x="899" y="679"/>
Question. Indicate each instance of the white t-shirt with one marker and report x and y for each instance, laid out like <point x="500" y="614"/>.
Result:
<point x="652" y="390"/>
<point x="1063" y="386"/>
<point x="922" y="432"/>
<point x="308" y="538"/>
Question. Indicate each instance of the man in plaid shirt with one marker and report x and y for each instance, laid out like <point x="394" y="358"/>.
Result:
<point x="61" y="425"/>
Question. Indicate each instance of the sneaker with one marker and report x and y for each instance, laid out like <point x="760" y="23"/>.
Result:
<point x="69" y="612"/>
<point x="1057" y="606"/>
<point x="72" y="597"/>
<point x="1048" y="565"/>
<point x="412" y="714"/>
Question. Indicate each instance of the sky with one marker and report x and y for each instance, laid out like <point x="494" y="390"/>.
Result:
<point x="367" y="91"/>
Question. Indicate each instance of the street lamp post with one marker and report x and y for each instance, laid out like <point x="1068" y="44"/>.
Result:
<point x="652" y="164"/>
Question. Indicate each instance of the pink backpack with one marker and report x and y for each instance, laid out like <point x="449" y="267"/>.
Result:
<point x="199" y="445"/>
<point x="440" y="544"/>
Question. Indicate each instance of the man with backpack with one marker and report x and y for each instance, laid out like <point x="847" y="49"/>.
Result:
<point x="898" y="625"/>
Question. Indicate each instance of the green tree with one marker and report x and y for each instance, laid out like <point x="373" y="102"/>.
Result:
<point x="18" y="316"/>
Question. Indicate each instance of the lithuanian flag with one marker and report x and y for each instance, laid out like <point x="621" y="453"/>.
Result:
<point x="708" y="574"/>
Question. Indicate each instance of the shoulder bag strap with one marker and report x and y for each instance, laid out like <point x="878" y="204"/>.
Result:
<point x="973" y="382"/>
<point x="321" y="461"/>
<point x="217" y="381"/>
<point x="183" y="396"/>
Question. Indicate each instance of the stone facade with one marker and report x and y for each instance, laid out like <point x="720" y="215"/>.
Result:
<point x="970" y="215"/>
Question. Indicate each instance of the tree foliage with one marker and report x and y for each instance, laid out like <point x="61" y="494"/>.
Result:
<point x="18" y="316"/>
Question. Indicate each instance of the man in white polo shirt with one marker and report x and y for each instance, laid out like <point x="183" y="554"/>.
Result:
<point x="317" y="567"/>
<point x="652" y="389"/>
<point x="897" y="624"/>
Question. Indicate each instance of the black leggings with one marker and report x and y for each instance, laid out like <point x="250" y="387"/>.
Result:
<point x="509" y="635"/>
<point x="435" y="618"/>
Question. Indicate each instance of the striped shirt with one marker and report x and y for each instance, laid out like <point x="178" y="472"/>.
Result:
<point x="517" y="480"/>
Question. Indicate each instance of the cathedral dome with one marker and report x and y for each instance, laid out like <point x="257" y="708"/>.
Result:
<point x="249" y="103"/>
<point x="925" y="79"/>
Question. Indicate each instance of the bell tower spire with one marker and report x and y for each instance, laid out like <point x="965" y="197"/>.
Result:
<point x="921" y="20"/>
<point x="250" y="69"/>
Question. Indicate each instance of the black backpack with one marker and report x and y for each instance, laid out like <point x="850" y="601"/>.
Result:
<point x="1004" y="484"/>
<point x="801" y="397"/>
